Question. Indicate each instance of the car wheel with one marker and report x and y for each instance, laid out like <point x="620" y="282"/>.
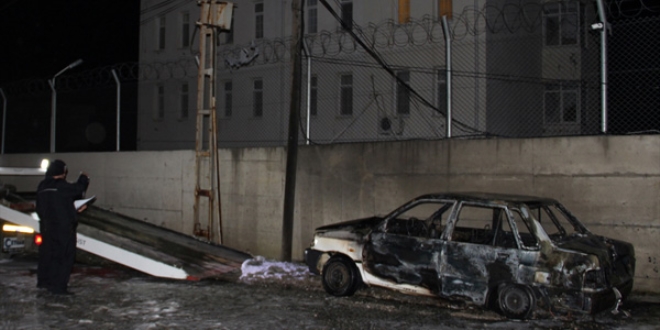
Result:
<point x="340" y="277"/>
<point x="515" y="301"/>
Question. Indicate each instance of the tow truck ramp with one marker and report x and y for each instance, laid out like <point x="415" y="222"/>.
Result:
<point x="145" y="247"/>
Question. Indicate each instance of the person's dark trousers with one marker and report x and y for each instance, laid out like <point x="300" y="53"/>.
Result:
<point x="44" y="264"/>
<point x="63" y="257"/>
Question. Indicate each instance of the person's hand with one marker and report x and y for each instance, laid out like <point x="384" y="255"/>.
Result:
<point x="82" y="208"/>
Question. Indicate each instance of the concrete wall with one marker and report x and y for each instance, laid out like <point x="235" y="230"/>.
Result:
<point x="611" y="183"/>
<point x="153" y="186"/>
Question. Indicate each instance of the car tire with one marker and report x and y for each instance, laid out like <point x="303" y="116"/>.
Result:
<point x="515" y="301"/>
<point x="340" y="277"/>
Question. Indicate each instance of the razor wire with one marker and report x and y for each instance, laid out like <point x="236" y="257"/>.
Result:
<point x="626" y="9"/>
<point x="511" y="17"/>
<point x="484" y="87"/>
<point x="490" y="18"/>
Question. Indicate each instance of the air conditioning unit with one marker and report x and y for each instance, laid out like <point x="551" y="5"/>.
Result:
<point x="388" y="125"/>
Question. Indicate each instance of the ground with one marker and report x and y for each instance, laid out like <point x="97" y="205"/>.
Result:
<point x="268" y="295"/>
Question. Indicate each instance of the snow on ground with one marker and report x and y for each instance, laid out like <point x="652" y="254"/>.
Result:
<point x="261" y="268"/>
<point x="269" y="295"/>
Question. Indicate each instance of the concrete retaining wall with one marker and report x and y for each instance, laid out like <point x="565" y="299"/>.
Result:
<point x="611" y="183"/>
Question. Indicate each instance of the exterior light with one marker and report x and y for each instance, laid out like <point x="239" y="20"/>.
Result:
<point x="38" y="239"/>
<point x="44" y="165"/>
<point x="53" y="102"/>
<point x="17" y="229"/>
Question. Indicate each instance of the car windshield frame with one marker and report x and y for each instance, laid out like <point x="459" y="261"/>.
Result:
<point x="551" y="211"/>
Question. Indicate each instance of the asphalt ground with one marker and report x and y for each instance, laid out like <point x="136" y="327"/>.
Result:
<point x="269" y="295"/>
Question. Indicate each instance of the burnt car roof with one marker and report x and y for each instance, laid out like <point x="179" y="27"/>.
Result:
<point x="489" y="197"/>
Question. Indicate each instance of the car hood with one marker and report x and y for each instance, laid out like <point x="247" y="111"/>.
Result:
<point x="607" y="250"/>
<point x="359" y="226"/>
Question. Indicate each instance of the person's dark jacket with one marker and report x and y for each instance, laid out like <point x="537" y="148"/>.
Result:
<point x="58" y="221"/>
<point x="55" y="199"/>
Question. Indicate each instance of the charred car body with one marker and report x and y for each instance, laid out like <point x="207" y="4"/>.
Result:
<point x="515" y="254"/>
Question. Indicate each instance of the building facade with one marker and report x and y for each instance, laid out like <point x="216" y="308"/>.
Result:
<point x="516" y="70"/>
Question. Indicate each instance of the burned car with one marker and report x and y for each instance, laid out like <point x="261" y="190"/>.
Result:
<point x="516" y="254"/>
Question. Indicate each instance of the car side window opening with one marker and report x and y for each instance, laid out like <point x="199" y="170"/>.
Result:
<point x="477" y="223"/>
<point x="426" y="219"/>
<point x="503" y="236"/>
<point x="438" y="220"/>
<point x="489" y="225"/>
<point x="526" y="236"/>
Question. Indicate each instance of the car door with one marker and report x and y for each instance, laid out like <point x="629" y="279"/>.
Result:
<point x="406" y="249"/>
<point x="480" y="250"/>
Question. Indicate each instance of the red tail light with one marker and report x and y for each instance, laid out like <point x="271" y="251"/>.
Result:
<point x="38" y="239"/>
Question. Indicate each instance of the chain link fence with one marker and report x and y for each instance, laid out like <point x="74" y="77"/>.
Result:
<point x="634" y="76"/>
<point x="523" y="69"/>
<point x="87" y="107"/>
<point x="514" y="70"/>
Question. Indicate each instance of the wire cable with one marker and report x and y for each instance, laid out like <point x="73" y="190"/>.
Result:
<point x="388" y="68"/>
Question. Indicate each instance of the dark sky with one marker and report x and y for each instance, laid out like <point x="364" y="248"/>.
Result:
<point x="39" y="38"/>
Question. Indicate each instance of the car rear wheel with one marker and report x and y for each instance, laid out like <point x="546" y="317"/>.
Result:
<point x="515" y="301"/>
<point x="340" y="277"/>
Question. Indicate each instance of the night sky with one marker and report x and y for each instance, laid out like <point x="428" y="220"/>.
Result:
<point x="40" y="38"/>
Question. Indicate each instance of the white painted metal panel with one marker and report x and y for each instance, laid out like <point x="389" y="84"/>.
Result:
<point x="110" y="252"/>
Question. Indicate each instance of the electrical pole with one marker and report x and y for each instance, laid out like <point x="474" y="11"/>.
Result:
<point x="215" y="15"/>
<point x="292" y="143"/>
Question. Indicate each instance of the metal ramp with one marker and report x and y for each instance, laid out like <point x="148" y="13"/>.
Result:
<point x="145" y="247"/>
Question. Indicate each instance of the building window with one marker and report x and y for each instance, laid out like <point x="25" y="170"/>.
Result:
<point x="402" y="93"/>
<point x="313" y="96"/>
<point x="561" y="23"/>
<point x="560" y="103"/>
<point x="160" y="102"/>
<point x="404" y="11"/>
<point x="347" y="14"/>
<point x="444" y="8"/>
<point x="185" y="30"/>
<point x="259" y="20"/>
<point x="346" y="97"/>
<point x="228" y="98"/>
<point x="258" y="98"/>
<point x="161" y="33"/>
<point x="441" y="91"/>
<point x="184" y="99"/>
<point x="312" y="16"/>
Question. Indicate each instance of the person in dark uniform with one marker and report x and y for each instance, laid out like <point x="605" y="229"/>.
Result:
<point x="58" y="222"/>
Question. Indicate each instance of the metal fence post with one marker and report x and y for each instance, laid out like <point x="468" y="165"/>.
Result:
<point x="114" y="75"/>
<point x="447" y="34"/>
<point x="309" y="90"/>
<point x="4" y="118"/>
<point x="53" y="102"/>
<point x="603" y="62"/>
<point x="53" y="113"/>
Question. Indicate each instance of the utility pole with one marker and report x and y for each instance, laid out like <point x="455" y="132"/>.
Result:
<point x="215" y="15"/>
<point x="292" y="144"/>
